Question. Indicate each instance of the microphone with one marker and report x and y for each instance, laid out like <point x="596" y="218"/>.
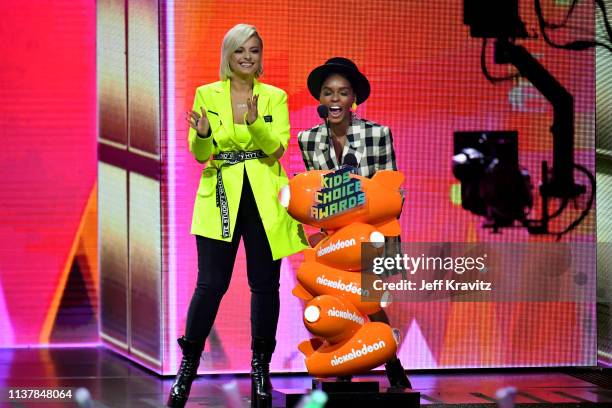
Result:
<point x="323" y="111"/>
<point x="350" y="160"/>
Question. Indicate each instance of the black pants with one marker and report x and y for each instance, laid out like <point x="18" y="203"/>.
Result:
<point x="215" y="264"/>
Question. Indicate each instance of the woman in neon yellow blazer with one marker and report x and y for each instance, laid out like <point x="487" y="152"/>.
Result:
<point x="239" y="127"/>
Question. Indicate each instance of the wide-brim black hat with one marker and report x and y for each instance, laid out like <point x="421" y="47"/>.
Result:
<point x="344" y="67"/>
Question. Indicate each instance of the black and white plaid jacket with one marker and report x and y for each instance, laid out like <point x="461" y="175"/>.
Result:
<point x="371" y="143"/>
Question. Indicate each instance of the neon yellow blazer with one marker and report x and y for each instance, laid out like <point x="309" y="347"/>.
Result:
<point x="266" y="175"/>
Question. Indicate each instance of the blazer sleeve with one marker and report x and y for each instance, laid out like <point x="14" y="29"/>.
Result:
<point x="200" y="147"/>
<point x="386" y="156"/>
<point x="306" y="152"/>
<point x="269" y="139"/>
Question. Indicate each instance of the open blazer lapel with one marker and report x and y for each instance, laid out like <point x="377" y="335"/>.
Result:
<point x="355" y="143"/>
<point x="323" y="153"/>
<point x="223" y="106"/>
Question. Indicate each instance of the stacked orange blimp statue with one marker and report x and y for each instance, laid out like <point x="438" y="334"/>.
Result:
<point x="351" y="210"/>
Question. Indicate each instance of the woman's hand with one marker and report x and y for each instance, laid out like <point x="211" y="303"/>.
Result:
<point x="265" y="142"/>
<point x="199" y="122"/>
<point x="252" y="109"/>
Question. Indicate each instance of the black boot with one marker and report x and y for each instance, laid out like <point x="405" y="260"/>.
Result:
<point x="261" y="387"/>
<point x="396" y="374"/>
<point x="187" y="372"/>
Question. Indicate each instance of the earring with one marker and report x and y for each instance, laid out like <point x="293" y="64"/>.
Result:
<point x="354" y="107"/>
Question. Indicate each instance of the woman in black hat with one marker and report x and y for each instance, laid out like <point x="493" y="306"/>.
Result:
<point x="340" y="87"/>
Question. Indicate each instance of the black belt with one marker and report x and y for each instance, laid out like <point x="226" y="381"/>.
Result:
<point x="230" y="158"/>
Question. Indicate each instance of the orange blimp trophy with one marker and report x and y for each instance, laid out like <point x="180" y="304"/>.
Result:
<point x="354" y="212"/>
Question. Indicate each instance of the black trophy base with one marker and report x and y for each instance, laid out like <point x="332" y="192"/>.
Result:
<point x="330" y="386"/>
<point x="355" y="394"/>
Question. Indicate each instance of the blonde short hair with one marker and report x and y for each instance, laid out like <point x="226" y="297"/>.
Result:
<point x="233" y="40"/>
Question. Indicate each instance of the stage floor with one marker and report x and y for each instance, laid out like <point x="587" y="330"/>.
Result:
<point x="114" y="381"/>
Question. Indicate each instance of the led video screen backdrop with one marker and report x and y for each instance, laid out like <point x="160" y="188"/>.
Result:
<point x="427" y="83"/>
<point x="604" y="209"/>
<point x="48" y="203"/>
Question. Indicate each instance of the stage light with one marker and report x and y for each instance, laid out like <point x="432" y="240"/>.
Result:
<point x="492" y="182"/>
<point x="493" y="19"/>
